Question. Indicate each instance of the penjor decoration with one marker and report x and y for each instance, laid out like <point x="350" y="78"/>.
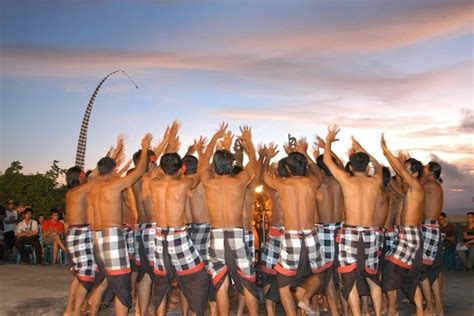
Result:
<point x="81" y="144"/>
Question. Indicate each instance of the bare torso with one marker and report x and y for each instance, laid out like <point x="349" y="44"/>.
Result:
<point x="382" y="208"/>
<point x="247" y="215"/>
<point x="76" y="205"/>
<point x="331" y="206"/>
<point x="413" y="206"/>
<point x="143" y="203"/>
<point x="433" y="200"/>
<point x="277" y="210"/>
<point x="198" y="206"/>
<point x="129" y="208"/>
<point x="106" y="201"/>
<point x="360" y="199"/>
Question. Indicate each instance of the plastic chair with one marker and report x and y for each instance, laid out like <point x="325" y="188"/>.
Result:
<point x="31" y="253"/>
<point x="48" y="255"/>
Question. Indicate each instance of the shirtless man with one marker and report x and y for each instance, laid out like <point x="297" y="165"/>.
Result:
<point x="359" y="238"/>
<point x="432" y="242"/>
<point x="175" y="254"/>
<point x="271" y="253"/>
<point x="300" y="259"/>
<point x="110" y="252"/>
<point x="79" y="238"/>
<point x="228" y="252"/>
<point x="403" y="266"/>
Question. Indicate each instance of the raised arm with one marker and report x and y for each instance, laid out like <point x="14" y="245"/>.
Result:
<point x="249" y="149"/>
<point x="397" y="165"/>
<point x="339" y="174"/>
<point x="378" y="167"/>
<point x="160" y="148"/>
<point x="302" y="147"/>
<point x="320" y="143"/>
<point x="262" y="152"/>
<point x="266" y="177"/>
<point x="205" y="156"/>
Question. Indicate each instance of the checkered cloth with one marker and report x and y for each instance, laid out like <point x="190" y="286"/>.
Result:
<point x="81" y="252"/>
<point x="145" y="234"/>
<point x="111" y="248"/>
<point x="291" y="250"/>
<point x="390" y="235"/>
<point x="272" y="251"/>
<point x="431" y="238"/>
<point x="129" y="233"/>
<point x="327" y="239"/>
<point x="200" y="235"/>
<point x="249" y="239"/>
<point x="405" y="246"/>
<point x="349" y="238"/>
<point x="235" y="239"/>
<point x="184" y="256"/>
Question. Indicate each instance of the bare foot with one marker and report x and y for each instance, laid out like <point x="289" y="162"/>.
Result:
<point x="307" y="309"/>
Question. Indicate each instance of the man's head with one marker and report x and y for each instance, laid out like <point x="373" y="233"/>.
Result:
<point x="74" y="177"/>
<point x="11" y="204"/>
<point x="442" y="218"/>
<point x="41" y="219"/>
<point x="433" y="169"/>
<point x="282" y="170"/>
<point x="54" y="214"/>
<point x="322" y="166"/>
<point x="386" y="176"/>
<point x="348" y="168"/>
<point x="359" y="162"/>
<point x="223" y="162"/>
<point x="297" y="164"/>
<point x="106" y="165"/>
<point x="414" y="167"/>
<point x="171" y="163"/>
<point x="151" y="157"/>
<point x="191" y="164"/>
<point x="27" y="213"/>
<point x="469" y="217"/>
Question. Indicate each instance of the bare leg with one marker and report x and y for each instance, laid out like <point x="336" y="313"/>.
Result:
<point x="331" y="296"/>
<point x="222" y="298"/>
<point x="241" y="305"/>
<point x="312" y="286"/>
<point x="184" y="304"/>
<point x="80" y="298"/>
<point x="97" y="298"/>
<point x="60" y="243"/>
<point x="251" y="302"/>
<point x="392" y="303"/>
<point x="269" y="304"/>
<point x="134" y="277"/>
<point x="287" y="300"/>
<point x="120" y="309"/>
<point x="344" y="305"/>
<point x="213" y="308"/>
<point x="376" y="295"/>
<point x="55" y="252"/>
<point x="71" y="297"/>
<point x="438" y="295"/>
<point x="354" y="301"/>
<point x="365" y="305"/>
<point x="161" y="310"/>
<point x="419" y="302"/>
<point x="144" y="291"/>
<point x="426" y="288"/>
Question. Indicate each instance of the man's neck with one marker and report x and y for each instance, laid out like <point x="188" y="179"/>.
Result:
<point x="27" y="220"/>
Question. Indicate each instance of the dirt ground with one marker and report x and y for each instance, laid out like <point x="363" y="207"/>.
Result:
<point x="42" y="290"/>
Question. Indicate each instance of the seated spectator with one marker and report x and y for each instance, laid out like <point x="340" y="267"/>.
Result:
<point x="53" y="232"/>
<point x="9" y="227"/>
<point x="40" y="227"/>
<point x="2" y="243"/>
<point x="448" y="232"/>
<point x="466" y="249"/>
<point x="27" y="234"/>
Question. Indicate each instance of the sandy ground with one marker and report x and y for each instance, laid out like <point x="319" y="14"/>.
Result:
<point x="42" y="290"/>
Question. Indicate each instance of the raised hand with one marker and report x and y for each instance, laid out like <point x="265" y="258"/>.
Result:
<point x="246" y="133"/>
<point x="146" y="141"/>
<point x="302" y="145"/>
<point x="222" y="129"/>
<point x="261" y="150"/>
<point x="227" y="140"/>
<point x="332" y="133"/>
<point x="383" y="143"/>
<point x="272" y="150"/>
<point x="356" y="146"/>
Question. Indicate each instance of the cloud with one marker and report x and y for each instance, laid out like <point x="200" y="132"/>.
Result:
<point x="467" y="121"/>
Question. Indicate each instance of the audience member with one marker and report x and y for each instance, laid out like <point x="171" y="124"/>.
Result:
<point x="53" y="232"/>
<point x="9" y="226"/>
<point x="466" y="249"/>
<point x="27" y="234"/>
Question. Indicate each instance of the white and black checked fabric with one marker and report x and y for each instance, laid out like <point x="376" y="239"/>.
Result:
<point x="200" y="235"/>
<point x="431" y="238"/>
<point x="81" y="252"/>
<point x="250" y="240"/>
<point x="405" y="246"/>
<point x="235" y="239"/>
<point x="390" y="235"/>
<point x="184" y="256"/>
<point x="145" y="234"/>
<point x="291" y="250"/>
<point x="349" y="238"/>
<point x="327" y="239"/>
<point x="129" y="233"/>
<point x="111" y="248"/>
<point x="271" y="253"/>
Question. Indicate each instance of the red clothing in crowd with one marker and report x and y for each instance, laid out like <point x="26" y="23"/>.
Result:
<point x="49" y="224"/>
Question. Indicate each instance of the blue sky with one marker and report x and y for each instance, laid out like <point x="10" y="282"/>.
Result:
<point x="281" y="67"/>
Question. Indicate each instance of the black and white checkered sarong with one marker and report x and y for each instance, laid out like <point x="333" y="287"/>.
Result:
<point x="81" y="252"/>
<point x="405" y="246"/>
<point x="145" y="234"/>
<point x="431" y="238"/>
<point x="129" y="233"/>
<point x="184" y="256"/>
<point x="110" y="247"/>
<point x="200" y="235"/>
<point x="327" y="239"/>
<point x="291" y="250"/>
<point x="390" y="235"/>
<point x="250" y="240"/>
<point x="272" y="251"/>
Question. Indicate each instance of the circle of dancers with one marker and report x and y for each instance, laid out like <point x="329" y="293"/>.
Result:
<point x="353" y="233"/>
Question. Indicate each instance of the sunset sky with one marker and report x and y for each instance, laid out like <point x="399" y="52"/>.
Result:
<point x="402" y="68"/>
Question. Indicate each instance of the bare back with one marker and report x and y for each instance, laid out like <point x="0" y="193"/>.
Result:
<point x="143" y="203"/>
<point x="360" y="199"/>
<point x="106" y="201"/>
<point x="413" y="206"/>
<point x="129" y="208"/>
<point x="198" y="205"/>
<point x="433" y="200"/>
<point x="382" y="208"/>
<point x="331" y="206"/>
<point x="225" y="200"/>
<point x="298" y="201"/>
<point x="249" y="199"/>
<point x="277" y="210"/>
<point x="76" y="205"/>
<point x="168" y="196"/>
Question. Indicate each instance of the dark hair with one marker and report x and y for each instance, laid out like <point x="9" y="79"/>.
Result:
<point x="28" y="209"/>
<point x="322" y="166"/>
<point x="348" y="169"/>
<point x="359" y="161"/>
<point x="191" y="164"/>
<point x="106" y="165"/>
<point x="470" y="213"/>
<point x="386" y="176"/>
<point x="435" y="167"/>
<point x="443" y="214"/>
<point x="54" y="210"/>
<point x="171" y="163"/>
<point x="236" y="170"/>
<point x="73" y="177"/>
<point x="297" y="164"/>
<point x="415" y="166"/>
<point x="282" y="169"/>
<point x="223" y="162"/>
<point x="136" y="156"/>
